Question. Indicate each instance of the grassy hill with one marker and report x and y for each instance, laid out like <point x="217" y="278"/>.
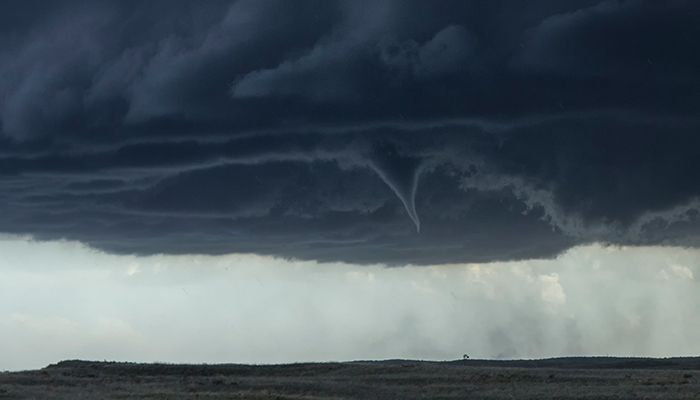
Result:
<point x="573" y="377"/>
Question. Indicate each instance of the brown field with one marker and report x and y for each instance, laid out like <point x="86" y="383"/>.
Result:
<point x="562" y="378"/>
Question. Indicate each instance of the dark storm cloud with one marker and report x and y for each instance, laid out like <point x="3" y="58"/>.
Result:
<point x="624" y="40"/>
<point x="390" y="131"/>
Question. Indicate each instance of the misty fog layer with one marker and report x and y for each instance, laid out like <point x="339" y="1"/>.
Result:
<point x="62" y="300"/>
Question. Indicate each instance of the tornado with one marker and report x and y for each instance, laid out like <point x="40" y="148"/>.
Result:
<point x="401" y="174"/>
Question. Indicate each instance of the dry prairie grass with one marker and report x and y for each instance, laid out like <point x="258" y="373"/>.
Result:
<point x="474" y="379"/>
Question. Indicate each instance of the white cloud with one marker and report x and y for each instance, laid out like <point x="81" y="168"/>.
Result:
<point x="682" y="272"/>
<point x="134" y="268"/>
<point x="552" y="292"/>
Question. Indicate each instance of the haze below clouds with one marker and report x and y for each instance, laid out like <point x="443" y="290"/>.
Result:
<point x="62" y="300"/>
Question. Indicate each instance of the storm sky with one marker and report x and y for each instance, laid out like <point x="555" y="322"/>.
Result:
<point x="354" y="133"/>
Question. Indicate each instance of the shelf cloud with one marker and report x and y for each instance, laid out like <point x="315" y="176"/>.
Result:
<point x="391" y="132"/>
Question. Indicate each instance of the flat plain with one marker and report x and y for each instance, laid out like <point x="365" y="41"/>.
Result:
<point x="558" y="378"/>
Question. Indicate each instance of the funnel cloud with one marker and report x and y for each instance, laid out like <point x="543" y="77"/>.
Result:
<point x="401" y="174"/>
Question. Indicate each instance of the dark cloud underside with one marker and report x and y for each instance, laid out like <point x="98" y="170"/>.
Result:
<point x="378" y="131"/>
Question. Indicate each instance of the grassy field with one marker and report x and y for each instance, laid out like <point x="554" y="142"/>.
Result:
<point x="570" y="378"/>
